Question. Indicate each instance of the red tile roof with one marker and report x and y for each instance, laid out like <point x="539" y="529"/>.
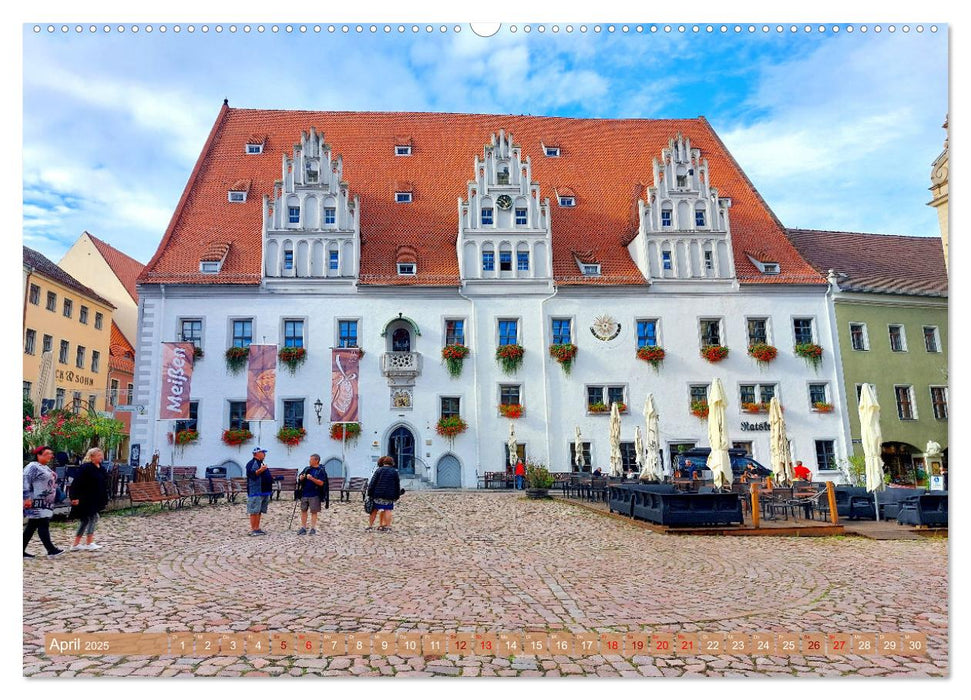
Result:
<point x="604" y="161"/>
<point x="125" y="267"/>
<point x="42" y="265"/>
<point x="121" y="353"/>
<point x="877" y="263"/>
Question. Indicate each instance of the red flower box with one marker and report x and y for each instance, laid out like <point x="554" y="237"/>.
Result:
<point x="511" y="410"/>
<point x="714" y="353"/>
<point x="235" y="438"/>
<point x="651" y="353"/>
<point x="699" y="408"/>
<point x="762" y="352"/>
<point x="337" y="431"/>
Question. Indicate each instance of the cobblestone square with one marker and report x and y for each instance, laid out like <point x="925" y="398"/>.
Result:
<point x="476" y="562"/>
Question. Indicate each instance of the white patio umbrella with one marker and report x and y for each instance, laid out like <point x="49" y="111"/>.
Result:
<point x="652" y="469"/>
<point x="578" y="460"/>
<point x="512" y="445"/>
<point x="638" y="448"/>
<point x="616" y="461"/>
<point x="872" y="438"/>
<point x="719" y="462"/>
<point x="781" y="459"/>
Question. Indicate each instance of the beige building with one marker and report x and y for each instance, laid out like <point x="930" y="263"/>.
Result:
<point x="938" y="188"/>
<point x="94" y="263"/>
<point x="67" y="336"/>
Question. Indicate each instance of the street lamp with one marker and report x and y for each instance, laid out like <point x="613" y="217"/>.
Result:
<point x="318" y="407"/>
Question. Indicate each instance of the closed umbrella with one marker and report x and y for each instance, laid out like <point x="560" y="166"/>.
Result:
<point x="872" y="439"/>
<point x="616" y="461"/>
<point x="512" y="445"/>
<point x="638" y="448"/>
<point x="652" y="464"/>
<point x="578" y="459"/>
<point x="781" y="459"/>
<point x="718" y="460"/>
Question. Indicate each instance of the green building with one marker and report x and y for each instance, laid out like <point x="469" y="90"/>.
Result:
<point x="889" y="305"/>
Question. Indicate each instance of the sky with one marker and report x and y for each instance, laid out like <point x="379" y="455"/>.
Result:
<point x="836" y="130"/>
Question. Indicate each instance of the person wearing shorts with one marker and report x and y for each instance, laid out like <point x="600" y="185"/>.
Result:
<point x="259" y="488"/>
<point x="383" y="490"/>
<point x="314" y="489"/>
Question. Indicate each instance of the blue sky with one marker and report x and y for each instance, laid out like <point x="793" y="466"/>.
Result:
<point x="835" y="130"/>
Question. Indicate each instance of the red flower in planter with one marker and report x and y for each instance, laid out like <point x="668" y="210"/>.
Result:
<point x="714" y="353"/>
<point x="755" y="407"/>
<point x="291" y="437"/>
<point x="452" y="356"/>
<point x="510" y="357"/>
<point x="651" y="353"/>
<point x="235" y="438"/>
<point x="337" y="431"/>
<point x="699" y="408"/>
<point x="451" y="426"/>
<point x="810" y="352"/>
<point x="823" y="407"/>
<point x="762" y="352"/>
<point x="511" y="410"/>
<point x="564" y="353"/>
<point x="292" y="357"/>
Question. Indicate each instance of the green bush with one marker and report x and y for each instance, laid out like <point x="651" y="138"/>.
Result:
<point x="538" y="476"/>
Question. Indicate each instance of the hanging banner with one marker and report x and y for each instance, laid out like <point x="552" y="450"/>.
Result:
<point x="344" y="374"/>
<point x="261" y="383"/>
<point x="176" y="381"/>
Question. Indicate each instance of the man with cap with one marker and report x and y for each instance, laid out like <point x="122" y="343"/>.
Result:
<point x="259" y="487"/>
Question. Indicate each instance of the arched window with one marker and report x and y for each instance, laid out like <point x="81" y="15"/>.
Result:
<point x="401" y="340"/>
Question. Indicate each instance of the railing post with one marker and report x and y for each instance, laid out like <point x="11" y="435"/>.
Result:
<point x="756" y="515"/>
<point x="831" y="495"/>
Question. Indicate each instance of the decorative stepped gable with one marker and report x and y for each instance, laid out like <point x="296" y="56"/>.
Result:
<point x="684" y="231"/>
<point x="504" y="226"/>
<point x="311" y="227"/>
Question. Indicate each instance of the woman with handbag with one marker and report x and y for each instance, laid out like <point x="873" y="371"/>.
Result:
<point x="89" y="496"/>
<point x="382" y="492"/>
<point x="40" y="493"/>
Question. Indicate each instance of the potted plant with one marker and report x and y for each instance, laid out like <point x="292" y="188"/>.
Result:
<point x="699" y="408"/>
<point x="291" y="437"/>
<point x="452" y="356"/>
<point x="714" y="353"/>
<point x="598" y="407"/>
<point x="651" y="353"/>
<point x="197" y="353"/>
<point x="292" y="357"/>
<point x="755" y="407"/>
<point x="337" y="431"/>
<point x="763" y="353"/>
<point x="186" y="437"/>
<point x="512" y="410"/>
<point x="235" y="438"/>
<point x="823" y="407"/>
<point x="450" y="426"/>
<point x="538" y="480"/>
<point x="564" y="353"/>
<point x="810" y="352"/>
<point x="509" y="357"/>
<point x="236" y="358"/>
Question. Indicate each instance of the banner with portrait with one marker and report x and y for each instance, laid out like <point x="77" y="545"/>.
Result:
<point x="344" y="385"/>
<point x="261" y="383"/>
<point x="176" y="381"/>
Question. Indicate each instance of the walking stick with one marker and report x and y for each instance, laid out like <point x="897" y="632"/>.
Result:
<point x="292" y="514"/>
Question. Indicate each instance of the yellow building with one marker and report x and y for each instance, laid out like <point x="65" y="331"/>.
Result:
<point x="938" y="188"/>
<point x="67" y="336"/>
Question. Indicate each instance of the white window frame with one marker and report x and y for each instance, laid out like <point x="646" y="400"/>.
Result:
<point x="567" y="201"/>
<point x="522" y="394"/>
<point x="835" y="453"/>
<point x="210" y="267"/>
<point x="947" y="400"/>
<point x="202" y="331"/>
<point x="331" y="259"/>
<point x="402" y="150"/>
<point x="569" y="319"/>
<point x="913" y="402"/>
<point x="551" y="151"/>
<point x="402" y="197"/>
<point x="519" y="328"/>
<point x="360" y="327"/>
<point x="814" y="331"/>
<point x="657" y="329"/>
<point x="866" y="336"/>
<point x="525" y="221"/>
<point x="770" y="268"/>
<point x="768" y="329"/>
<point x="282" y="329"/>
<point x="721" y="330"/>
<point x="903" y="337"/>
<point x="826" y="390"/>
<point x="290" y="208"/>
<point x="328" y="210"/>
<point x="403" y="269"/>
<point x="253" y="149"/>
<point x="667" y="261"/>
<point x="758" y="384"/>
<point x="288" y="264"/>
<point x="937" y="339"/>
<point x="590" y="269"/>
<point x="604" y="397"/>
<point x="489" y="212"/>
<point x="236" y="197"/>
<point x="230" y="337"/>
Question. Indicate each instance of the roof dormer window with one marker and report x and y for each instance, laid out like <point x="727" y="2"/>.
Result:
<point x="237" y="196"/>
<point x="209" y="267"/>
<point x="762" y="261"/>
<point x="770" y="268"/>
<point x="254" y="149"/>
<point x="402" y="197"/>
<point x="568" y="201"/>
<point x="552" y="151"/>
<point x="239" y="190"/>
<point x="590" y="269"/>
<point x="402" y="150"/>
<point x="406" y="268"/>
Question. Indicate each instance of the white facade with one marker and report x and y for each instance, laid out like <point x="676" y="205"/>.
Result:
<point x="694" y="283"/>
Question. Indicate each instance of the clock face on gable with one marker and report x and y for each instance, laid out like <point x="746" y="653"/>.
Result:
<point x="504" y="201"/>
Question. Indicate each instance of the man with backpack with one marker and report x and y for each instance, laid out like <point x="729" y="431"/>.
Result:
<point x="314" y="488"/>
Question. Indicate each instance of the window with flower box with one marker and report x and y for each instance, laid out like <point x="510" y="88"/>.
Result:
<point x="756" y="394"/>
<point x="508" y="331"/>
<point x="293" y="413"/>
<point x="561" y="331"/>
<point x="904" y="394"/>
<point x="710" y="331"/>
<point x="758" y="330"/>
<point x="818" y="394"/>
<point x="450" y="406"/>
<point x="939" y="402"/>
<point x="191" y="331"/>
<point x="242" y="332"/>
<point x="347" y="334"/>
<point x="510" y="394"/>
<point x="646" y="332"/>
<point x="454" y="331"/>
<point x="601" y="397"/>
<point x="698" y="392"/>
<point x="293" y="333"/>
<point x="237" y="416"/>
<point x="192" y="423"/>
<point x="802" y="330"/>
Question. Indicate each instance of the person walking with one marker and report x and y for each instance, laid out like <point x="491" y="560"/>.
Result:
<point x="520" y="475"/>
<point x="40" y="490"/>
<point x="383" y="490"/>
<point x="259" y="488"/>
<point x="314" y="488"/>
<point x="89" y="496"/>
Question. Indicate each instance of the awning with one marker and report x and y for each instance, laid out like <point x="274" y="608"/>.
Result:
<point x="414" y="326"/>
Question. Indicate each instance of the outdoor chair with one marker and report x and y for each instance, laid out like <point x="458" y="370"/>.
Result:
<point x="927" y="510"/>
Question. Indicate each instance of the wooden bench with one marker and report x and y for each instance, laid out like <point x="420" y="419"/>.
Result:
<point x="186" y="491"/>
<point x="237" y="486"/>
<point x="221" y="488"/>
<point x="144" y="492"/>
<point x="288" y="482"/>
<point x="356" y="484"/>
<point x="203" y="489"/>
<point x="172" y="495"/>
<point x="179" y="473"/>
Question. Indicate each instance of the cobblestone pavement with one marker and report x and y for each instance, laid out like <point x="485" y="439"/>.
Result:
<point x="486" y="562"/>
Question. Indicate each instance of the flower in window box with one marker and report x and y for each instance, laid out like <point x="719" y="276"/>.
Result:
<point x="452" y="356"/>
<point x="451" y="426"/>
<point x="236" y="359"/>
<point x="810" y="352"/>
<point x="292" y="357"/>
<point x="235" y="438"/>
<point x="598" y="407"/>
<point x="337" y="431"/>
<point x="564" y="353"/>
<point x="714" y="353"/>
<point x="509" y="357"/>
<point x="755" y="407"/>
<point x="763" y="353"/>
<point x="823" y="407"/>
<point x="511" y="410"/>
<point x="197" y="353"/>
<point x="651" y="353"/>
<point x="699" y="408"/>
<point x="186" y="437"/>
<point x="291" y="437"/>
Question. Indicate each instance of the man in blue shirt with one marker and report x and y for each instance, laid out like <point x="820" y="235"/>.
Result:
<point x="259" y="487"/>
<point x="314" y="488"/>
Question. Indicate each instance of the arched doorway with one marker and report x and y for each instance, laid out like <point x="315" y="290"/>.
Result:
<point x="401" y="448"/>
<point x="449" y="472"/>
<point x="899" y="458"/>
<point x="334" y="468"/>
<point x="401" y="340"/>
